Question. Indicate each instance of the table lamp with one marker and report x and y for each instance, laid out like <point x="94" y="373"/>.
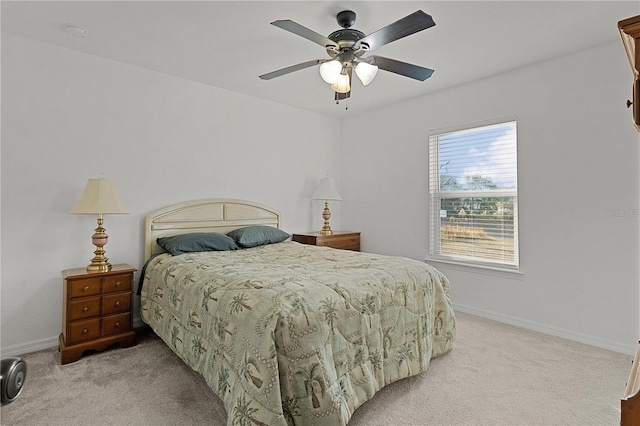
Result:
<point x="100" y="196"/>
<point x="326" y="191"/>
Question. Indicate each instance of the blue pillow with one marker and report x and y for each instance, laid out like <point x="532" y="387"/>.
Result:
<point x="198" y="241"/>
<point x="253" y="236"/>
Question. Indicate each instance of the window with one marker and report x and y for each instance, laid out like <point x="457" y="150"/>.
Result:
<point x="473" y="194"/>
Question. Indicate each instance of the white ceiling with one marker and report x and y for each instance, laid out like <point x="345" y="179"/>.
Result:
<point x="227" y="44"/>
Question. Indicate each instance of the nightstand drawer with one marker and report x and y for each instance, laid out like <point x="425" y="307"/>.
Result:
<point x="342" y="242"/>
<point x="84" y="330"/>
<point x="117" y="283"/>
<point x="84" y="308"/>
<point x="82" y="288"/>
<point x="305" y="239"/>
<point x="114" y="303"/>
<point x="115" y="324"/>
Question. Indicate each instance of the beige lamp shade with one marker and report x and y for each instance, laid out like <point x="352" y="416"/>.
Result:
<point x="100" y="196"/>
<point x="326" y="190"/>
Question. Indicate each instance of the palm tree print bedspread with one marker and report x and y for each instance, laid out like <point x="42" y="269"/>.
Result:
<point x="292" y="334"/>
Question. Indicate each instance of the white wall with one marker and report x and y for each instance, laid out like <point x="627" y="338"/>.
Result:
<point x="578" y="157"/>
<point x="68" y="116"/>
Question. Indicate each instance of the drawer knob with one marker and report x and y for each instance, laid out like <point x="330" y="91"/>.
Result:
<point x="85" y="288"/>
<point x="85" y="309"/>
<point x="116" y="325"/>
<point x="85" y="331"/>
<point x="353" y="240"/>
<point x="118" y="304"/>
<point x="326" y="243"/>
<point x="118" y="284"/>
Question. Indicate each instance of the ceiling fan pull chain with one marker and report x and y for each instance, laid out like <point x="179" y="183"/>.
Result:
<point x="346" y="104"/>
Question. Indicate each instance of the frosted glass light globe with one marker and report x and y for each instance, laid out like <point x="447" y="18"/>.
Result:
<point x="342" y="84"/>
<point x="330" y="71"/>
<point x="366" y="72"/>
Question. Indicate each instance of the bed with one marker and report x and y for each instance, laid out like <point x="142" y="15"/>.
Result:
<point x="286" y="333"/>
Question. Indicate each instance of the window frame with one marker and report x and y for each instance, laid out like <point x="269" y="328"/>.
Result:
<point x="435" y="198"/>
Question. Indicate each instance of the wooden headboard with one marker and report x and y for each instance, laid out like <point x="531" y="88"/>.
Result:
<point x="208" y="215"/>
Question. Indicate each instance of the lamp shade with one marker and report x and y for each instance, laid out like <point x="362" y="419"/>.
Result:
<point x="99" y="196"/>
<point x="326" y="190"/>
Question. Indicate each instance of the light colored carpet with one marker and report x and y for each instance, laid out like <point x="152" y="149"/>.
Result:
<point x="496" y="374"/>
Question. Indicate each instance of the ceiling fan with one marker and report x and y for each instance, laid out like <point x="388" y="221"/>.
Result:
<point x="347" y="46"/>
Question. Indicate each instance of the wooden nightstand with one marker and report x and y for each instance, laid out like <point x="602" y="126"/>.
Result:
<point x="97" y="311"/>
<point x="339" y="239"/>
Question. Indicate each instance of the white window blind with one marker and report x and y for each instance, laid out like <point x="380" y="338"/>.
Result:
<point x="473" y="192"/>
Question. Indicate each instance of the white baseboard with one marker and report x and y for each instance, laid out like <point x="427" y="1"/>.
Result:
<point x="39" y="345"/>
<point x="28" y="347"/>
<point x="629" y="349"/>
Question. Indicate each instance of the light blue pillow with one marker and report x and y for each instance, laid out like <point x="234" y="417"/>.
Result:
<point x="198" y="241"/>
<point x="253" y="236"/>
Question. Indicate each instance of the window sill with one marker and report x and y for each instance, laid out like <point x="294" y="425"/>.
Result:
<point x="488" y="270"/>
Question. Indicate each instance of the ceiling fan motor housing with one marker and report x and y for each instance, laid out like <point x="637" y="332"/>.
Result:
<point x="346" y="38"/>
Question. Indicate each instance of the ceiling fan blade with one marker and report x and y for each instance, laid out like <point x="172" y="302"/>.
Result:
<point x="294" y="27"/>
<point x="408" y="25"/>
<point x="292" y="68"/>
<point x="399" y="67"/>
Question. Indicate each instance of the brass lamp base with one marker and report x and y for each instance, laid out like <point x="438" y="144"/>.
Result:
<point x="99" y="267"/>
<point x="99" y="263"/>
<point x="326" y="215"/>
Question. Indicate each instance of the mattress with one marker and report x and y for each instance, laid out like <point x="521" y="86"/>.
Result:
<point x="297" y="334"/>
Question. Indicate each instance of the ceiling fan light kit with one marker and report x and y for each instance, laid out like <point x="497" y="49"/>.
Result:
<point x="366" y="72"/>
<point x="342" y="83"/>
<point x="330" y="71"/>
<point x="347" y="46"/>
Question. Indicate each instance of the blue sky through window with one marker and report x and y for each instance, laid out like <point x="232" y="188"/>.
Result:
<point x="489" y="152"/>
